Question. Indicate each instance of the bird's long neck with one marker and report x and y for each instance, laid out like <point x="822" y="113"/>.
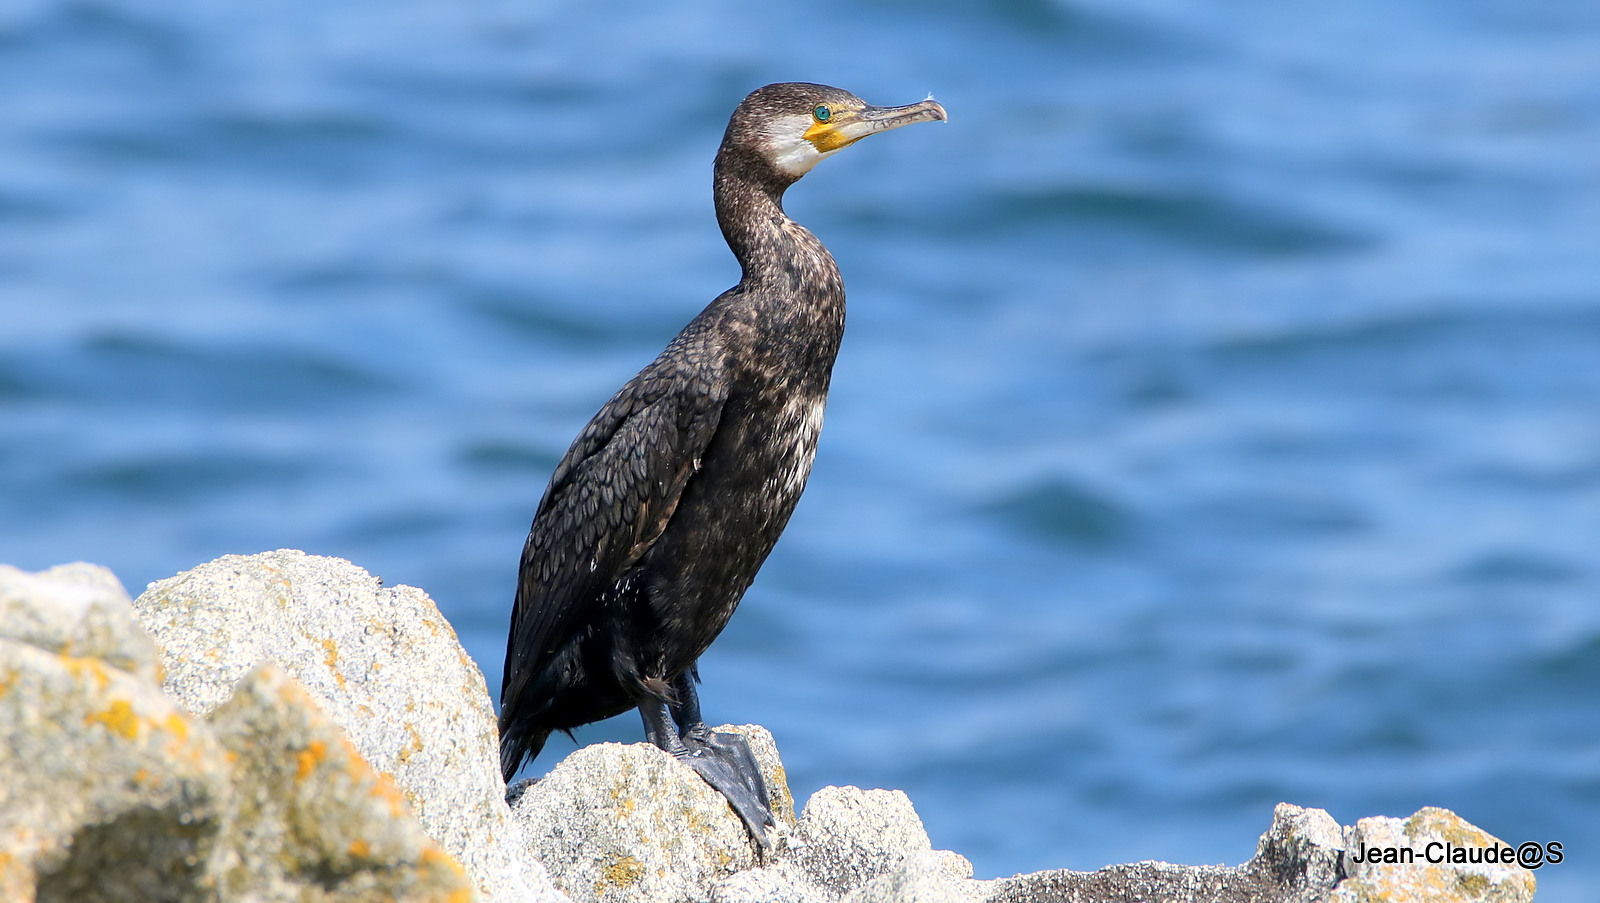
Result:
<point x="790" y="297"/>
<point x="772" y="249"/>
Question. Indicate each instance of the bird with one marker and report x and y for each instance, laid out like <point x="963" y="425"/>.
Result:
<point x="659" y="515"/>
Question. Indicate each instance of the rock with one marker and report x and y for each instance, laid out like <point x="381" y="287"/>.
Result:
<point x="1302" y="853"/>
<point x="1431" y="832"/>
<point x="779" y="883"/>
<point x="111" y="791"/>
<point x="309" y="818"/>
<point x="919" y="880"/>
<point x="617" y="822"/>
<point x="850" y="836"/>
<point x="322" y="738"/>
<point x="935" y="876"/>
<point x="108" y="790"/>
<point x="1303" y="857"/>
<point x="78" y="610"/>
<point x="951" y="863"/>
<point x="381" y="662"/>
<point x="1145" y="881"/>
<point x="1296" y="861"/>
<point x="628" y="822"/>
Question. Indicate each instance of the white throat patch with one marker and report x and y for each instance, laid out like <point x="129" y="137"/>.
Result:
<point x="787" y="145"/>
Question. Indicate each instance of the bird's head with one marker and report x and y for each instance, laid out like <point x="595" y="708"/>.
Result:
<point x="793" y="126"/>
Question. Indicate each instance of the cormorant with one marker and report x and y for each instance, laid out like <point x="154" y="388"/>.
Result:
<point x="657" y="519"/>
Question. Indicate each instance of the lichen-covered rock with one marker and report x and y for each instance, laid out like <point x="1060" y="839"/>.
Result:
<point x="108" y="790"/>
<point x="381" y="662"/>
<point x="309" y="819"/>
<point x="617" y="822"/>
<point x="302" y="782"/>
<point x="1429" y="834"/>
<point x="628" y="822"/>
<point x="1305" y="856"/>
<point x="78" y="610"/>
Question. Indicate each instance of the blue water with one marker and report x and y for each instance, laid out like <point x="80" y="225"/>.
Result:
<point x="1218" y="422"/>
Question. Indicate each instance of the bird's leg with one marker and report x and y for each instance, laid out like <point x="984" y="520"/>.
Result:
<point x="686" y="712"/>
<point x="723" y="760"/>
<point x="658" y="728"/>
<point x="686" y="704"/>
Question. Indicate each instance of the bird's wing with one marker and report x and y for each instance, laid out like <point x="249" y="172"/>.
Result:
<point x="608" y="501"/>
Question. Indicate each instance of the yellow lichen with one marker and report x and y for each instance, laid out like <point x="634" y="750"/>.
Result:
<point x="78" y="666"/>
<point x="1449" y="826"/>
<point x="176" y="725"/>
<point x="624" y="871"/>
<point x="118" y="718"/>
<point x="414" y="746"/>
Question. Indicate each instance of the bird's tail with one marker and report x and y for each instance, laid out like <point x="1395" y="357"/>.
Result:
<point x="518" y="744"/>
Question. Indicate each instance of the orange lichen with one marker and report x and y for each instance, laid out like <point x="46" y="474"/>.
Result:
<point x="77" y="666"/>
<point x="360" y="849"/>
<point x="118" y="718"/>
<point x="384" y="789"/>
<point x="435" y="858"/>
<point x="309" y="758"/>
<point x="331" y="659"/>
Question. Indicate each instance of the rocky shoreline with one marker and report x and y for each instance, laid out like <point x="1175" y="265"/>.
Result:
<point x="282" y="726"/>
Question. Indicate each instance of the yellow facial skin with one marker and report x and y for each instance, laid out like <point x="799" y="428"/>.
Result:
<point x="849" y="124"/>
<point x="830" y="136"/>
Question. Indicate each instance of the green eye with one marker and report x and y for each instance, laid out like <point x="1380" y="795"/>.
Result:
<point x="822" y="112"/>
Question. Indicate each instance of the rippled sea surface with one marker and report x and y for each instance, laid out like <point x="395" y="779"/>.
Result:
<point x="1218" y="422"/>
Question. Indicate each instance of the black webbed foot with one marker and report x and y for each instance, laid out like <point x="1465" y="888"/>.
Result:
<point x="722" y="760"/>
<point x="725" y="762"/>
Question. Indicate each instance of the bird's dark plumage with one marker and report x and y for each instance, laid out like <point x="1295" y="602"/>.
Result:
<point x="659" y="515"/>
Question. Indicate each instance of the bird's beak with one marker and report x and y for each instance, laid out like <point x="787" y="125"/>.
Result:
<point x="849" y="126"/>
